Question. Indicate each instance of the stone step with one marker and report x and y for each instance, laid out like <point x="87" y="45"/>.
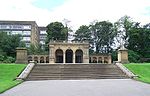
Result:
<point x="76" y="78"/>
<point x="76" y="66"/>
<point x="89" y="75"/>
<point x="46" y="73"/>
<point x="75" y="71"/>
<point x="81" y="70"/>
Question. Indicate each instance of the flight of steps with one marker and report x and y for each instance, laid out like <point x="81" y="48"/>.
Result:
<point x="75" y="72"/>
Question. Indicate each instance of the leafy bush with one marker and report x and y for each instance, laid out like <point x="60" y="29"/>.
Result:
<point x="1" y="58"/>
<point x="7" y="59"/>
<point x="133" y="56"/>
<point x="114" y="55"/>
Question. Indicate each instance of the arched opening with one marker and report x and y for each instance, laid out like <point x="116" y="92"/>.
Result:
<point x="42" y="59"/>
<point x="59" y="56"/>
<point x="100" y="60"/>
<point x="79" y="56"/>
<point x="69" y="56"/>
<point x="105" y="59"/>
<point x="29" y="59"/>
<point x="90" y="60"/>
<point x="36" y="59"/>
<point x="47" y="59"/>
<point x="94" y="60"/>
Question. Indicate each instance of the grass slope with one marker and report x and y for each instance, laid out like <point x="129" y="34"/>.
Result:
<point x="8" y="73"/>
<point x="140" y="69"/>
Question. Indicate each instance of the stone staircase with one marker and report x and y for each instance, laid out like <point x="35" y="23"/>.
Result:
<point x="75" y="72"/>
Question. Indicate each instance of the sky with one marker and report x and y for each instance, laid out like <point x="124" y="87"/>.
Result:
<point x="78" y="12"/>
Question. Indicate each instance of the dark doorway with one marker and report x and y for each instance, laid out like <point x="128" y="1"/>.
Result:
<point x="29" y="59"/>
<point x="41" y="59"/>
<point x="79" y="56"/>
<point x="36" y="59"/>
<point x="59" y="56"/>
<point x="47" y="59"/>
<point x="69" y="56"/>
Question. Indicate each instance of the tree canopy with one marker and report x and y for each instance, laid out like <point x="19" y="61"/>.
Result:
<point x="9" y="43"/>
<point x="56" y="31"/>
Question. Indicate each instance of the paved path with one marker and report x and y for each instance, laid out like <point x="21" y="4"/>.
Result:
<point x="101" y="87"/>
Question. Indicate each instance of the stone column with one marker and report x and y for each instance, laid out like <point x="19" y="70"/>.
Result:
<point x="109" y="59"/>
<point x="102" y="59"/>
<point x="21" y="55"/>
<point x="97" y="58"/>
<point x="86" y="55"/>
<point x="51" y="54"/>
<point x="64" y="58"/>
<point x="123" y="55"/>
<point x="74" y="58"/>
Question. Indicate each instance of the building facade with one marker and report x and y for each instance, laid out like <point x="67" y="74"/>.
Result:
<point x="65" y="52"/>
<point x="68" y="52"/>
<point x="29" y="31"/>
<point x="42" y="35"/>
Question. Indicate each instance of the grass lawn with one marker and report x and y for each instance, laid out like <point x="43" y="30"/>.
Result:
<point x="8" y="73"/>
<point x="140" y="69"/>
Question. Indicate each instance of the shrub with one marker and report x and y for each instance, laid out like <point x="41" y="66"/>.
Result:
<point x="133" y="56"/>
<point x="114" y="55"/>
<point x="9" y="60"/>
<point x="1" y="58"/>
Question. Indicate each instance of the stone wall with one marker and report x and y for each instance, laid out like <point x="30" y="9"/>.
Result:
<point x="101" y="58"/>
<point x="38" y="58"/>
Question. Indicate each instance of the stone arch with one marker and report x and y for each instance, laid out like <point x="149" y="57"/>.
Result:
<point x="36" y="59"/>
<point x="105" y="59"/>
<point x="69" y="56"/>
<point x="29" y="59"/>
<point x="90" y="60"/>
<point x="59" y="56"/>
<point x="79" y="56"/>
<point x="94" y="59"/>
<point x="41" y="59"/>
<point x="47" y="59"/>
<point x="100" y="60"/>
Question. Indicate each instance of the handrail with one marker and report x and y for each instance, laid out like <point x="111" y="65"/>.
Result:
<point x="26" y="71"/>
<point x="126" y="70"/>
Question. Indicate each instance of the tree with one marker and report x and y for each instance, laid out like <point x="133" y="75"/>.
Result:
<point x="83" y="34"/>
<point x="56" y="31"/>
<point x="122" y="27"/>
<point x="102" y="35"/>
<point x="36" y="50"/>
<point x="9" y="43"/>
<point x="139" y="40"/>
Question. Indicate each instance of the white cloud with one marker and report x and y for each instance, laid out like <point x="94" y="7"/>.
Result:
<point x="79" y="12"/>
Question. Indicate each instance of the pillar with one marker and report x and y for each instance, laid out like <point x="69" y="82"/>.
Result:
<point x="51" y="54"/>
<point x="64" y="57"/>
<point x="109" y="59"/>
<point x="102" y="59"/>
<point x="86" y="55"/>
<point x="74" y="58"/>
<point x="21" y="55"/>
<point x="123" y="55"/>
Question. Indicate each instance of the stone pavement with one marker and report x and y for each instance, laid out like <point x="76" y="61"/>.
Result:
<point x="99" y="87"/>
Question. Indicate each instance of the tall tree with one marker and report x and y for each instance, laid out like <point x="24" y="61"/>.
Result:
<point x="102" y="34"/>
<point x="122" y="27"/>
<point x="139" y="40"/>
<point x="9" y="43"/>
<point x="56" y="31"/>
<point x="83" y="33"/>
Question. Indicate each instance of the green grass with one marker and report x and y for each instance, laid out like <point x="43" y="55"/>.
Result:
<point x="8" y="73"/>
<point x="140" y="69"/>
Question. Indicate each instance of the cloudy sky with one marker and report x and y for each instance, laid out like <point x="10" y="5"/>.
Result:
<point x="78" y="12"/>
